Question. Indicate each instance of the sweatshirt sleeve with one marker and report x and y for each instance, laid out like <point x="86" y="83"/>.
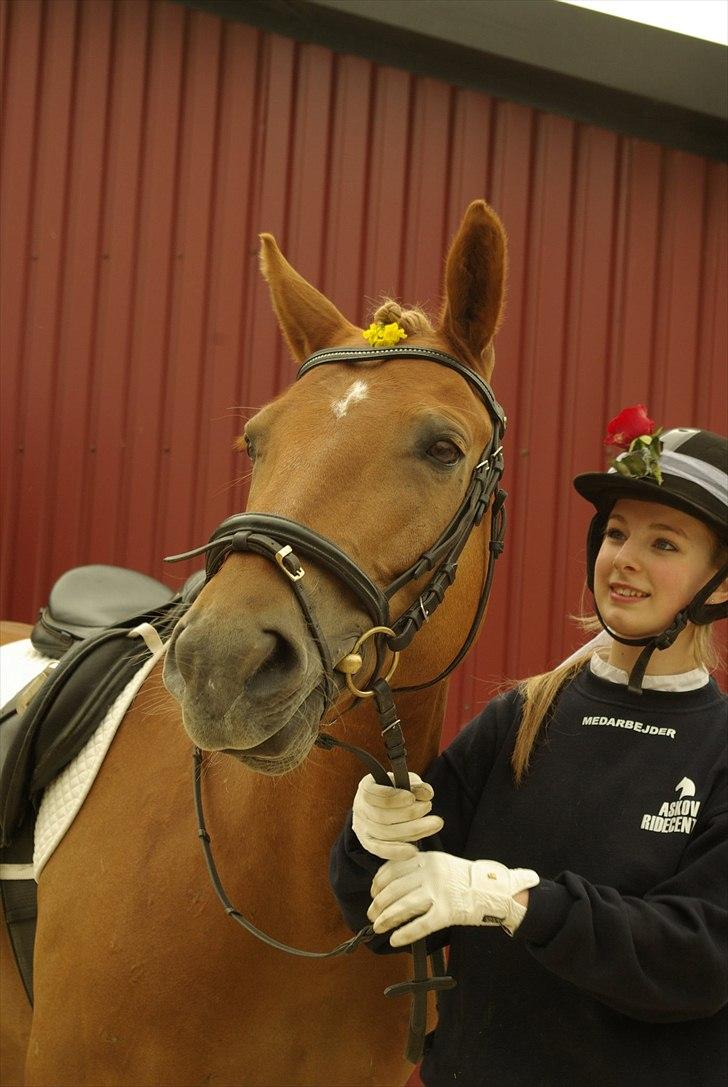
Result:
<point x="351" y="871"/>
<point x="659" y="958"/>
<point x="457" y="777"/>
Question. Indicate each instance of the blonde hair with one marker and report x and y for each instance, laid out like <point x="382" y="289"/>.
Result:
<point x="413" y="320"/>
<point x="539" y="694"/>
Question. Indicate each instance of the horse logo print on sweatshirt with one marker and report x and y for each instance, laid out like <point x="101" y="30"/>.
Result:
<point x="675" y="816"/>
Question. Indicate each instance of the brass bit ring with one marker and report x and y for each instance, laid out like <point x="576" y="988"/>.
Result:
<point x="355" y="652"/>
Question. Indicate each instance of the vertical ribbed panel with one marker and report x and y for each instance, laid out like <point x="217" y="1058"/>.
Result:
<point x="144" y="146"/>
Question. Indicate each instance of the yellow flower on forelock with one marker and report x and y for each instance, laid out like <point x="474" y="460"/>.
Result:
<point x="381" y="335"/>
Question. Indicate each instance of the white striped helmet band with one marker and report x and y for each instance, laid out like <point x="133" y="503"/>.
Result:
<point x="709" y="477"/>
<point x="696" y="471"/>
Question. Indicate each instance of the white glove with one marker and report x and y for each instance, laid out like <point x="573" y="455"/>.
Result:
<point x="440" y="890"/>
<point x="385" y="820"/>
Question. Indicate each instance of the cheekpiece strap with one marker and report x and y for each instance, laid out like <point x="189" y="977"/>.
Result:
<point x="698" y="611"/>
<point x="391" y="732"/>
<point x="484" y="482"/>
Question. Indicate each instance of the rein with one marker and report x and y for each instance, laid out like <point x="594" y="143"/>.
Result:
<point x="282" y="541"/>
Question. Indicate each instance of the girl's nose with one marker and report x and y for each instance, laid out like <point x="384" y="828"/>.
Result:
<point x="627" y="557"/>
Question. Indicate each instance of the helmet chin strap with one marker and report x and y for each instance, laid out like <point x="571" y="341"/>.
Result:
<point x="697" y="611"/>
<point x="655" y="641"/>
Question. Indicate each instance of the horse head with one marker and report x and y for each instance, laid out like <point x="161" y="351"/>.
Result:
<point x="366" y="460"/>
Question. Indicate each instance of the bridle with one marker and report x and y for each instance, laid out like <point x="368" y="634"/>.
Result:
<point x="286" y="543"/>
<point x="282" y="540"/>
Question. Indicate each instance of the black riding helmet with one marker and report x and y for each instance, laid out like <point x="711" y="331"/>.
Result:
<point x="693" y="465"/>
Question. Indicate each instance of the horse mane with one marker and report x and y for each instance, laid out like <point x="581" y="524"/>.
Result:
<point x="413" y="320"/>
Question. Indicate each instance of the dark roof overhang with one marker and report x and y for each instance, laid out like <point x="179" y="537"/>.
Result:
<point x="621" y="75"/>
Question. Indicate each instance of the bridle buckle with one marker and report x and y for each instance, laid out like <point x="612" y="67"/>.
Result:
<point x="486" y="463"/>
<point x="281" y="557"/>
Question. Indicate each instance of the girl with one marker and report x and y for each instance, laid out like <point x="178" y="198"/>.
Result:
<point x="594" y="948"/>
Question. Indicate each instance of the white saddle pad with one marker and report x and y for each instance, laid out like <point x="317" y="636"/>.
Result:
<point x="19" y="663"/>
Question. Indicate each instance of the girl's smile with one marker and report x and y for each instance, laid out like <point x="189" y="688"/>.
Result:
<point x="625" y="594"/>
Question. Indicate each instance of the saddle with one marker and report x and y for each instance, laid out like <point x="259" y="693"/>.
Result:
<point x="101" y="624"/>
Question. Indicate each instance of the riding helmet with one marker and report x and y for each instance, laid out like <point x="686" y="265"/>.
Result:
<point x="694" y="478"/>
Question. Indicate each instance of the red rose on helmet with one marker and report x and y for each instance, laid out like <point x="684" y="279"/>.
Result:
<point x="631" y="423"/>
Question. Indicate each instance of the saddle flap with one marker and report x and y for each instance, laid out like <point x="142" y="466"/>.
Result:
<point x="35" y="745"/>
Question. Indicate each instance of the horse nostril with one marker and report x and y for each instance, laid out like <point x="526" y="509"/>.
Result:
<point x="173" y="677"/>
<point x="181" y="654"/>
<point x="217" y="663"/>
<point x="279" y="662"/>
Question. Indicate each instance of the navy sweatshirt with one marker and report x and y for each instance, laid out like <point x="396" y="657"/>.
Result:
<point x="618" y="973"/>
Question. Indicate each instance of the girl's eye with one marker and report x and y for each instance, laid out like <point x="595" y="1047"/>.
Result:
<point x="445" y="451"/>
<point x="664" y="545"/>
<point x="614" y="534"/>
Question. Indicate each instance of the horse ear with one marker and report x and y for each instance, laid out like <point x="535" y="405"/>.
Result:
<point x="475" y="285"/>
<point x="307" y="319"/>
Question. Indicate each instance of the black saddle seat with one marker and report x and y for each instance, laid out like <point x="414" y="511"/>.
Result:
<point x="88" y="599"/>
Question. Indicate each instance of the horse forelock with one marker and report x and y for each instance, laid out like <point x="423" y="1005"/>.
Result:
<point x="412" y="319"/>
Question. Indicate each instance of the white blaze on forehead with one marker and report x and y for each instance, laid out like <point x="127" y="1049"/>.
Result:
<point x="358" y="391"/>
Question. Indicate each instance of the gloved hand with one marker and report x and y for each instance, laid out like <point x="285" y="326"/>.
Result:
<point x="385" y="820"/>
<point x="440" y="890"/>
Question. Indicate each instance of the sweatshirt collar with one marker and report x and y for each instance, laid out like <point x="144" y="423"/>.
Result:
<point x="685" y="681"/>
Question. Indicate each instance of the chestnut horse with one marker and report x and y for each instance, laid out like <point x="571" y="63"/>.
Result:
<point x="140" y="977"/>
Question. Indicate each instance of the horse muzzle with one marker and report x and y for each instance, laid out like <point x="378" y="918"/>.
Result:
<point x="249" y="685"/>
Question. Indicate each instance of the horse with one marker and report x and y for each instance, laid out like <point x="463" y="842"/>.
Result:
<point x="140" y="977"/>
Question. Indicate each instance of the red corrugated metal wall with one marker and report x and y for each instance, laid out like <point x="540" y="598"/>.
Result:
<point x="143" y="148"/>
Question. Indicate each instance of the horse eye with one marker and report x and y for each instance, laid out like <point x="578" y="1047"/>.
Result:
<point x="445" y="451"/>
<point x="249" y="446"/>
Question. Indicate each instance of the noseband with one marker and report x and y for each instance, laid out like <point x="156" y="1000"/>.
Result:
<point x="286" y="543"/>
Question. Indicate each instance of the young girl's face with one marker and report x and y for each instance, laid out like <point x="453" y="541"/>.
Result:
<point x="652" y="561"/>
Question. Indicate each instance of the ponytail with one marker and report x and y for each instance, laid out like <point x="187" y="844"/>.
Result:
<point x="539" y="694"/>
